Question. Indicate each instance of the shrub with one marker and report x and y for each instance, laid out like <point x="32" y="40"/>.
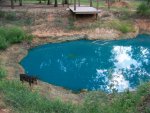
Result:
<point x="15" y="35"/>
<point x="3" y="42"/>
<point x="143" y="10"/>
<point x="144" y="89"/>
<point x="11" y="35"/>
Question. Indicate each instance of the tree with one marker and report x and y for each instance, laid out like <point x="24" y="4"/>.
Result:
<point x="20" y="2"/>
<point x="148" y="2"/>
<point x="12" y="4"/>
<point x="48" y="2"/>
<point x="55" y="4"/>
<point x="40" y="1"/>
<point x="66" y="2"/>
<point x="108" y="2"/>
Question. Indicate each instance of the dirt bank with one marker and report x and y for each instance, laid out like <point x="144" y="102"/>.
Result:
<point x="144" y="25"/>
<point x="48" y="27"/>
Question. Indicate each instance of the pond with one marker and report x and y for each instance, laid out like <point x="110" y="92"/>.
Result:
<point x="92" y="65"/>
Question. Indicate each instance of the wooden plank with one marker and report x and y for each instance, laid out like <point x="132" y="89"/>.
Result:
<point x="84" y="10"/>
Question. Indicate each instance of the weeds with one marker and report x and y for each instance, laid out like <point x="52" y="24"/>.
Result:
<point x="2" y="72"/>
<point x="22" y="100"/>
<point x="11" y="16"/>
<point x="122" y="26"/>
<point x="2" y="14"/>
<point x="70" y="25"/>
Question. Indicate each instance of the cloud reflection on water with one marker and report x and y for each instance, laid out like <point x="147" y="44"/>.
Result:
<point x="127" y="69"/>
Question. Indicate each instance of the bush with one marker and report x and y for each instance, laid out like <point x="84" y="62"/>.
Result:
<point x="143" y="10"/>
<point x="11" y="35"/>
<point x="15" y="35"/>
<point x="3" y="43"/>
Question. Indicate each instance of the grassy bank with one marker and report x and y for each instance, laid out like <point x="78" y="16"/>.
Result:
<point x="22" y="100"/>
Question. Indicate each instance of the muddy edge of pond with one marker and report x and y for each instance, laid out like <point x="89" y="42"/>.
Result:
<point x="11" y="57"/>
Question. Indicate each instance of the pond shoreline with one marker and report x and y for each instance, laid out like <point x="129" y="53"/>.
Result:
<point x="12" y="56"/>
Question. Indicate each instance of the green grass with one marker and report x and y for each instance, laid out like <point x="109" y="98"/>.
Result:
<point x="22" y="100"/>
<point x="2" y="72"/>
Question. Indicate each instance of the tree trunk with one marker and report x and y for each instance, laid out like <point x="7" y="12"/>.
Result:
<point x="48" y="2"/>
<point x="74" y="4"/>
<point x="66" y="2"/>
<point x="40" y="1"/>
<point x="55" y="4"/>
<point x="78" y="2"/>
<point x="91" y="3"/>
<point x="12" y="4"/>
<point x="148" y="2"/>
<point x="20" y="2"/>
<point x="108" y="4"/>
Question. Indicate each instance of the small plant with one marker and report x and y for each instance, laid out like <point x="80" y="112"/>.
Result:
<point x="71" y="25"/>
<point x="58" y="22"/>
<point x="11" y="16"/>
<point x="2" y="73"/>
<point x="2" y="14"/>
<point x="29" y="38"/>
<point x="28" y="21"/>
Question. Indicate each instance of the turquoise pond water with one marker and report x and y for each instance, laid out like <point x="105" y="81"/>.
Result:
<point x="92" y="65"/>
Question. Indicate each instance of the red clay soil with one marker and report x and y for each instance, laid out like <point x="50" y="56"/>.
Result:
<point x="144" y="25"/>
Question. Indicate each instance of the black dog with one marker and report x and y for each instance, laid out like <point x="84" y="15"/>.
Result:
<point x="27" y="78"/>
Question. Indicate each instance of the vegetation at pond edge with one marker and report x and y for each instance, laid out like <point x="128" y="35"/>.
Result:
<point x="144" y="10"/>
<point x="12" y="35"/>
<point x="21" y="100"/>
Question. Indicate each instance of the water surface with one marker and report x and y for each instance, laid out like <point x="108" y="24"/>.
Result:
<point x="92" y="65"/>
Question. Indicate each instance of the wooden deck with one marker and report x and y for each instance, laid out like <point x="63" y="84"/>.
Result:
<point x="84" y="10"/>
